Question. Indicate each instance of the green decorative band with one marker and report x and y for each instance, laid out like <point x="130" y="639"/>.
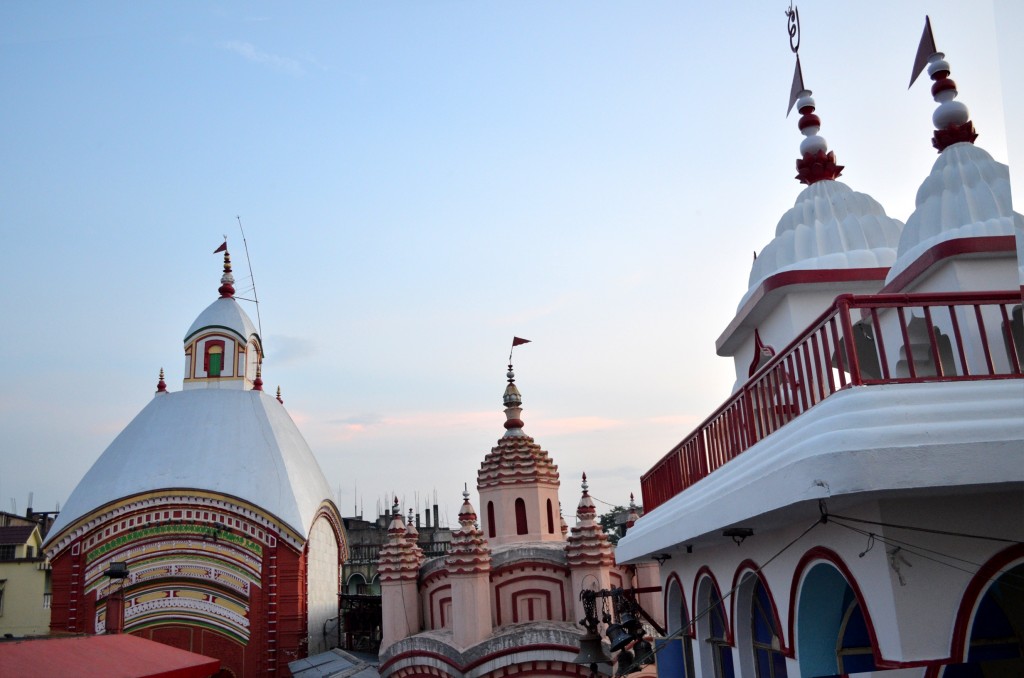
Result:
<point x="181" y="528"/>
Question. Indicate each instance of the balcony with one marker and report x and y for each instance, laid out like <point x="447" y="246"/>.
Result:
<point x="860" y="341"/>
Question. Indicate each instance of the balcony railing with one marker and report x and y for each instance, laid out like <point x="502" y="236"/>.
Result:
<point x="859" y="341"/>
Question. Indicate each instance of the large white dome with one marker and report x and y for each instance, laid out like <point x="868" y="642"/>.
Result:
<point x="830" y="226"/>
<point x="966" y="195"/>
<point x="238" y="443"/>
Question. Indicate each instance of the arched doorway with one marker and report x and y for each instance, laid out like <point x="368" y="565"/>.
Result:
<point x="832" y="630"/>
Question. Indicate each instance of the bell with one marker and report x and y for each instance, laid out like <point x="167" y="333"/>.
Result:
<point x="624" y="664"/>
<point x="591" y="650"/>
<point x="632" y="625"/>
<point x="644" y="652"/>
<point x="618" y="637"/>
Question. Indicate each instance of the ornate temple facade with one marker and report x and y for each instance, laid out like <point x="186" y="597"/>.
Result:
<point x="855" y="506"/>
<point x="505" y="600"/>
<point x="207" y="523"/>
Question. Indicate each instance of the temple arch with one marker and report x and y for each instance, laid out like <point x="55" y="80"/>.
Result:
<point x="833" y="632"/>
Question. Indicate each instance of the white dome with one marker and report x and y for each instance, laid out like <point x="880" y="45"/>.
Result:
<point x="238" y="443"/>
<point x="830" y="226"/>
<point x="224" y="313"/>
<point x="966" y="195"/>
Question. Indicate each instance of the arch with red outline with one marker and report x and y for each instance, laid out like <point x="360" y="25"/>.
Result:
<point x="821" y="555"/>
<point x="975" y="591"/>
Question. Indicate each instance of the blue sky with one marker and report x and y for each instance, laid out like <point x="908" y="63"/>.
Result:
<point x="418" y="183"/>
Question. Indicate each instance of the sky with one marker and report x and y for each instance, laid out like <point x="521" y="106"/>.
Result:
<point x="419" y="182"/>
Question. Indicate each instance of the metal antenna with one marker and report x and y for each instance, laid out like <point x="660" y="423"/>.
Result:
<point x="255" y="298"/>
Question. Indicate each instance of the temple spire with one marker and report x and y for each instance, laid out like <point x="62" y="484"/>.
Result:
<point x="161" y="386"/>
<point x="513" y="402"/>
<point x="227" y="287"/>
<point x="951" y="119"/>
<point x="816" y="163"/>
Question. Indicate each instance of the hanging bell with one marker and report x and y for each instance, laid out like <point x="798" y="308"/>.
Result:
<point x="591" y="650"/>
<point x="618" y="637"/>
<point x="644" y="652"/>
<point x="634" y="627"/>
<point x="624" y="664"/>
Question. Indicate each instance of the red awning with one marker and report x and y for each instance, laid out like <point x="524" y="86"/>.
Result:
<point x="106" y="656"/>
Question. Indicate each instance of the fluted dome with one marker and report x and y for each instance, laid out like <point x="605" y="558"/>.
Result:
<point x="830" y="226"/>
<point x="966" y="195"/>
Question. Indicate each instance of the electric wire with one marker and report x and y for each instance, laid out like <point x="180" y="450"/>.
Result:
<point x="930" y="530"/>
<point x="1016" y="583"/>
<point x="637" y="661"/>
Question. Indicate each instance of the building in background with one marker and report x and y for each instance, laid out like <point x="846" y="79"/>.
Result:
<point x="24" y="575"/>
<point x="360" y="614"/>
<point x="505" y="600"/>
<point x="856" y="505"/>
<point x="216" y="506"/>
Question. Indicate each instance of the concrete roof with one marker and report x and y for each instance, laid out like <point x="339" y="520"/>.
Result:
<point x="238" y="443"/>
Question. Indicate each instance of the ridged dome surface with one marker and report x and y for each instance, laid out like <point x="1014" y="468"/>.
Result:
<point x="516" y="460"/>
<point x="830" y="226"/>
<point x="237" y="443"/>
<point x="966" y="195"/>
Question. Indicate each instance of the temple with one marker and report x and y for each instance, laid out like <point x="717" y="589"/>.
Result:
<point x="855" y="505"/>
<point x="506" y="598"/>
<point x="207" y="523"/>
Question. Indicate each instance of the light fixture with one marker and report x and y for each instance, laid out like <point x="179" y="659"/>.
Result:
<point x="738" y="534"/>
<point x="661" y="558"/>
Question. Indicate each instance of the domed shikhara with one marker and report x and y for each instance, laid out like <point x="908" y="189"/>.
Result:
<point x="518" y="482"/>
<point x="966" y="195"/>
<point x="224" y="314"/>
<point x="237" y="443"/>
<point x="830" y="226"/>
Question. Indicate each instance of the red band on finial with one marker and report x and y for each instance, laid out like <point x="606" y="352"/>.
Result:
<point x="226" y="289"/>
<point x="954" y="134"/>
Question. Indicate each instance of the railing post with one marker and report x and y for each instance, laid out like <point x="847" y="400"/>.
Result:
<point x="843" y="307"/>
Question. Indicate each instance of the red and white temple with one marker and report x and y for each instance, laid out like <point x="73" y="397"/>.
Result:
<point x="857" y="504"/>
<point x="506" y="599"/>
<point x="216" y="506"/>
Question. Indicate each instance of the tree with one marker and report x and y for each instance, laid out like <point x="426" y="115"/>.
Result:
<point x="614" y="523"/>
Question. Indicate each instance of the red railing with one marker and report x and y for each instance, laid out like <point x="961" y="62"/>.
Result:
<point x="859" y="341"/>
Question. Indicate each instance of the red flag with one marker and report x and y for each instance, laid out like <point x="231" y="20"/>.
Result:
<point x="925" y="49"/>
<point x="516" y="341"/>
<point x="223" y="247"/>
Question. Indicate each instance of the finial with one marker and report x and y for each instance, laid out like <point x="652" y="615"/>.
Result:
<point x="951" y="119"/>
<point x="816" y="162"/>
<point x="279" y="395"/>
<point x="161" y="387"/>
<point x="257" y="383"/>
<point x="227" y="288"/>
<point x="465" y="492"/>
<point x="394" y="507"/>
<point x="513" y="402"/>
<point x="584" y="485"/>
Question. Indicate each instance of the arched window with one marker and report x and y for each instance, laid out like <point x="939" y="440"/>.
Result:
<point x="720" y="650"/>
<point x="994" y="634"/>
<point x="769" y="661"/>
<point x="521" y="527"/>
<point x="551" y="519"/>
<point x="213" y="358"/>
<point x="854" y="646"/>
<point x="490" y="520"/>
